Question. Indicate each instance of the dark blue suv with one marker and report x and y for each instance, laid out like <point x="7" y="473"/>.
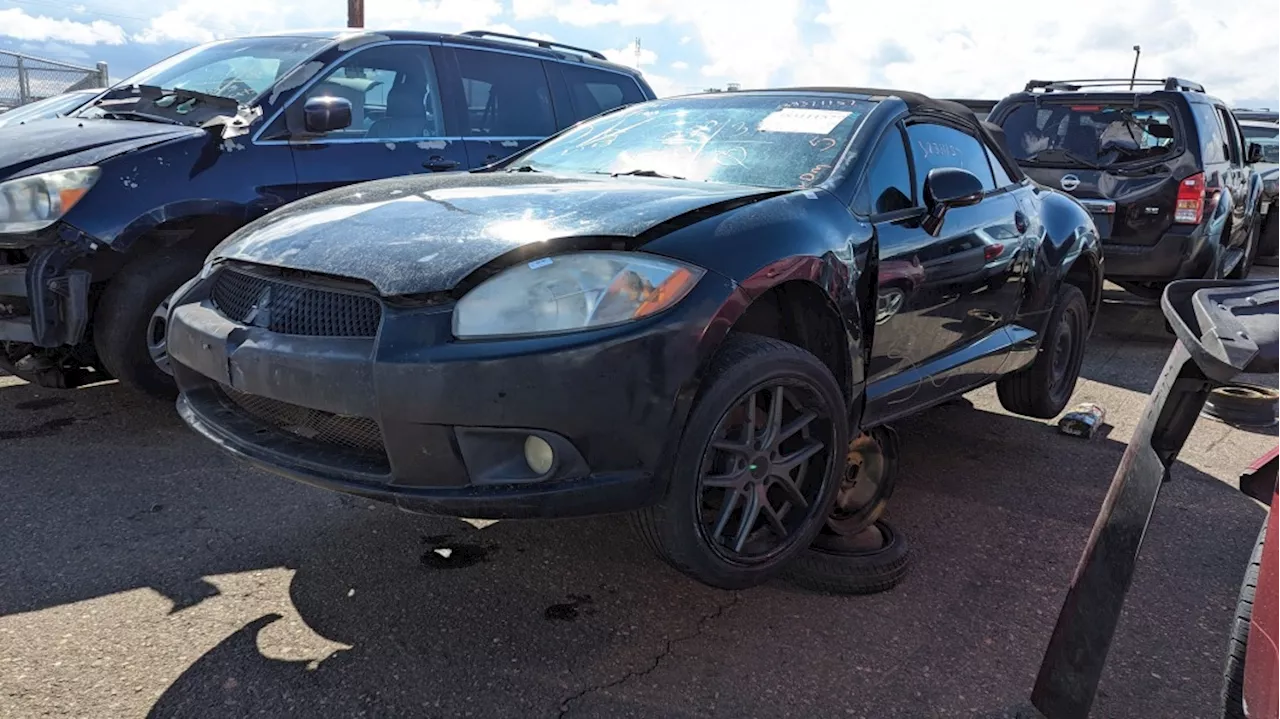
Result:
<point x="105" y="213"/>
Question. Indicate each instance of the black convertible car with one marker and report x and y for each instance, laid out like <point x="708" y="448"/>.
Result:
<point x="669" y="309"/>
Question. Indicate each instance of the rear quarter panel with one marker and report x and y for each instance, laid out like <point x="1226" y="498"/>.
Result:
<point x="1062" y="235"/>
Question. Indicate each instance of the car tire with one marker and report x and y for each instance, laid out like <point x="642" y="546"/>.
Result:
<point x="1252" y="239"/>
<point x="1269" y="242"/>
<point x="844" y="565"/>
<point x="712" y="523"/>
<point x="124" y="316"/>
<point x="1237" y="644"/>
<point x="1043" y="389"/>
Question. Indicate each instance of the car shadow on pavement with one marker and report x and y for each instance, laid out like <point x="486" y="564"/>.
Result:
<point x="573" y="618"/>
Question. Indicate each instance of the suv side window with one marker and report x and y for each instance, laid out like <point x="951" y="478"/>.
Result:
<point x="1234" y="141"/>
<point x="935" y="146"/>
<point x="393" y="93"/>
<point x="887" y="184"/>
<point x="506" y="95"/>
<point x="594" y="91"/>
<point x="1213" y="141"/>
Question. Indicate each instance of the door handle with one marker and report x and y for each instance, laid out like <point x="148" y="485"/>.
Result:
<point x="439" y="164"/>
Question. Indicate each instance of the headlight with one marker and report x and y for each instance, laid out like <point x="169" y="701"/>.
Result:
<point x="572" y="292"/>
<point x="33" y="203"/>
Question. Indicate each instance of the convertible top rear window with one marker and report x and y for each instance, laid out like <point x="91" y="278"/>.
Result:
<point x="775" y="141"/>
<point x="1084" y="132"/>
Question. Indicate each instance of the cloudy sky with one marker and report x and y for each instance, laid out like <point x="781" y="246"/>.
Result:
<point x="945" y="48"/>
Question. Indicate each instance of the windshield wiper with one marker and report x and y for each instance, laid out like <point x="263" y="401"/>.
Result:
<point x="644" y="173"/>
<point x="523" y="168"/>
<point x="1067" y="154"/>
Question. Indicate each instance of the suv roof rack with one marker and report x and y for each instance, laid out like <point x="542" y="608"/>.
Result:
<point x="545" y="44"/>
<point x="1175" y="84"/>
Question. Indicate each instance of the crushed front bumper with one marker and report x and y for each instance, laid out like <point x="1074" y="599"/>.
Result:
<point x="44" y="298"/>
<point x="437" y="425"/>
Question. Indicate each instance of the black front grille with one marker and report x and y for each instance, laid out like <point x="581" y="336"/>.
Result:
<point x="294" y="309"/>
<point x="354" y="433"/>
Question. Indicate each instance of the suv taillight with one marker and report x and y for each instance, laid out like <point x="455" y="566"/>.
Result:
<point x="1190" y="207"/>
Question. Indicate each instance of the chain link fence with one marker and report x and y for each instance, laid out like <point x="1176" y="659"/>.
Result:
<point x="24" y="78"/>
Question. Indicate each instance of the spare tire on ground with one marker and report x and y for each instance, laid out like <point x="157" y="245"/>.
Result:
<point x="875" y="560"/>
<point x="1243" y="405"/>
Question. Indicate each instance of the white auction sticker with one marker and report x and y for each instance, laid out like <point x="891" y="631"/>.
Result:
<point x="798" y="119"/>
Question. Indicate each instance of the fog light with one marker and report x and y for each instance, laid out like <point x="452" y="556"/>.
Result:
<point x="539" y="455"/>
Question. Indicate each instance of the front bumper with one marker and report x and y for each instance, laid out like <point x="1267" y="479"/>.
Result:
<point x="44" y="300"/>
<point x="450" y="418"/>
<point x="1179" y="254"/>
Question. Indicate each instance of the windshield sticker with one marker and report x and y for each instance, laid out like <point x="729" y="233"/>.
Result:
<point x="807" y="121"/>
<point x="537" y="264"/>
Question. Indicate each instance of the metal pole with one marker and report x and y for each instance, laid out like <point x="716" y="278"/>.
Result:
<point x="1137" y="52"/>
<point x="355" y="13"/>
<point x="24" y="90"/>
<point x="104" y="78"/>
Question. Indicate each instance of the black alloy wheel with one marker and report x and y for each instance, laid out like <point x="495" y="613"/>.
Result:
<point x="757" y="468"/>
<point x="756" y="487"/>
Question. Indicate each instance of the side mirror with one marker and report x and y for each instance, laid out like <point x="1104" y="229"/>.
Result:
<point x="326" y="114"/>
<point x="1255" y="153"/>
<point x="946" y="188"/>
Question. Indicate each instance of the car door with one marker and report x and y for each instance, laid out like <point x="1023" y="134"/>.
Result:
<point x="397" y="127"/>
<point x="1237" y="176"/>
<point x="969" y="270"/>
<point x="500" y="100"/>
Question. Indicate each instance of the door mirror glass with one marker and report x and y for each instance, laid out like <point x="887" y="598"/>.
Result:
<point x="1255" y="153"/>
<point x="946" y="188"/>
<point x="326" y="113"/>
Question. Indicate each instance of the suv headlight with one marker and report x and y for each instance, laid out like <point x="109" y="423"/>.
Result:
<point x="579" y="291"/>
<point x="33" y="203"/>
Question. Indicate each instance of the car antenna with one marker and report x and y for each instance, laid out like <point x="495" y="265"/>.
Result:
<point x="1137" y="53"/>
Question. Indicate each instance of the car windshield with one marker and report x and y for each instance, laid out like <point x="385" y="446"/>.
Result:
<point x="1265" y="136"/>
<point x="44" y="109"/>
<point x="239" y="69"/>
<point x="774" y="141"/>
<point x="1087" y="133"/>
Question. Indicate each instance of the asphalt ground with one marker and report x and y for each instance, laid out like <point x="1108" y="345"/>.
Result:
<point x="143" y="573"/>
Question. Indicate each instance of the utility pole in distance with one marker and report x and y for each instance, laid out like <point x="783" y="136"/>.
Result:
<point x="355" y="13"/>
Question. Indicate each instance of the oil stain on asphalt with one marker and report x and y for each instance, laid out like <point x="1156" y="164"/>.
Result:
<point x="41" y="403"/>
<point x="40" y="430"/>
<point x="443" y="554"/>
<point x="568" y="611"/>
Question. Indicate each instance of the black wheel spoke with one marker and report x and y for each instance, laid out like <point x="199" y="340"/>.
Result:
<point x="730" y="503"/>
<point x="793" y="492"/>
<point x="750" y="513"/>
<point x="728" y="480"/>
<point x="725" y="445"/>
<point x="749" y="428"/>
<point x="788" y="462"/>
<point x="796" y="425"/>
<point x="773" y="423"/>
<point x="775" y="521"/>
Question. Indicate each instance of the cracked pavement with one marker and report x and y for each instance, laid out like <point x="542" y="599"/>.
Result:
<point x="145" y="574"/>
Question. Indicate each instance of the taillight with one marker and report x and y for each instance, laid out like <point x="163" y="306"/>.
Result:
<point x="1190" y="207"/>
<point x="992" y="251"/>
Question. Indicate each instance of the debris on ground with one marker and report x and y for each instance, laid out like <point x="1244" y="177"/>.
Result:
<point x="1083" y="421"/>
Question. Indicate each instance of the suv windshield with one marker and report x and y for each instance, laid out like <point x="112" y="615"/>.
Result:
<point x="1267" y="137"/>
<point x="1088" y="133"/>
<point x="238" y="70"/>
<point x="775" y="141"/>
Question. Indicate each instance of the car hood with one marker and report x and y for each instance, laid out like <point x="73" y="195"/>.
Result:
<point x="62" y="142"/>
<point x="421" y="234"/>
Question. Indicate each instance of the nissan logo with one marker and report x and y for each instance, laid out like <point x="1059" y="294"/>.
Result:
<point x="1070" y="182"/>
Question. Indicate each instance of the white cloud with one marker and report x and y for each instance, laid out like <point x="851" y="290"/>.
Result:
<point x="627" y="56"/>
<point x="679" y="65"/>
<point x="18" y="24"/>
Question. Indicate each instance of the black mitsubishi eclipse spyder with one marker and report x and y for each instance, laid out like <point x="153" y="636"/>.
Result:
<point x="672" y="309"/>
